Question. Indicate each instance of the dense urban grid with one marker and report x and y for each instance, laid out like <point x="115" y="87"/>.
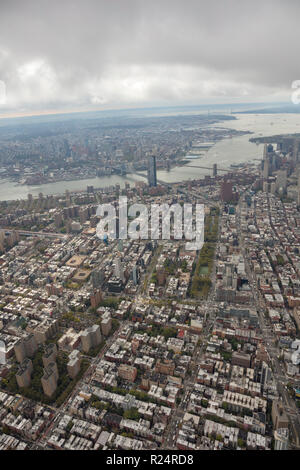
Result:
<point x="45" y="152"/>
<point x="142" y="344"/>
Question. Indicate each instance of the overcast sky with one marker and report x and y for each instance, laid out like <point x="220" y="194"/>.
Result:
<point x="129" y="53"/>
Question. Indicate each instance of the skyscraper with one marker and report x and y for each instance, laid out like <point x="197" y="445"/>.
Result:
<point x="281" y="180"/>
<point x="119" y="270"/>
<point x="152" y="179"/>
<point x="295" y="150"/>
<point x="266" y="169"/>
<point x="226" y="191"/>
<point x="267" y="166"/>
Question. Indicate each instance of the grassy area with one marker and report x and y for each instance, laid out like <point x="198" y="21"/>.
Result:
<point x="112" y="302"/>
<point x="201" y="282"/>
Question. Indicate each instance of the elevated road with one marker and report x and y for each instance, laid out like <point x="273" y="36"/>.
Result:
<point x="27" y="233"/>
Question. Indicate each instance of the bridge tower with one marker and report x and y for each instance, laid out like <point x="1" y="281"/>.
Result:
<point x="215" y="170"/>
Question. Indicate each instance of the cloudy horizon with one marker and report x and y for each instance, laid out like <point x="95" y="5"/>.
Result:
<point x="75" y="55"/>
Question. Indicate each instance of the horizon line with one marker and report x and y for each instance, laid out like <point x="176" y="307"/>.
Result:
<point x="45" y="113"/>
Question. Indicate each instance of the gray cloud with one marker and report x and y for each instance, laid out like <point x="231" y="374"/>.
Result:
<point x="120" y="53"/>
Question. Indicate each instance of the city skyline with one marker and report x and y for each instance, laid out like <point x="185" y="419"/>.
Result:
<point x="150" y="228"/>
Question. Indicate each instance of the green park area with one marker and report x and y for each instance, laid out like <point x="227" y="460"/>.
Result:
<point x="201" y="280"/>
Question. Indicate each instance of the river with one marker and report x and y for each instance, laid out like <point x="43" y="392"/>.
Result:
<point x="226" y="152"/>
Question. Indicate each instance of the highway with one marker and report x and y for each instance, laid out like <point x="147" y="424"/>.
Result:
<point x="28" y="233"/>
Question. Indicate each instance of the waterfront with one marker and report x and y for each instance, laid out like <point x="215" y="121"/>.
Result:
<point x="225" y="153"/>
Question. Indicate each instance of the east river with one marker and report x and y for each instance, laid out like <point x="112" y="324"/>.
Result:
<point x="225" y="153"/>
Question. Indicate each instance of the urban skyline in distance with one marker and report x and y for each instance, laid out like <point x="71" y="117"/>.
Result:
<point x="149" y="230"/>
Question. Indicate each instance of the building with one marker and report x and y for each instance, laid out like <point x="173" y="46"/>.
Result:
<point x="135" y="275"/>
<point x="96" y="298"/>
<point x="106" y="324"/>
<point x="281" y="437"/>
<point x="70" y="340"/>
<point x="166" y="367"/>
<point x="90" y="338"/>
<point x="152" y="177"/>
<point x="267" y="163"/>
<point x="279" y="416"/>
<point x="266" y="169"/>
<point x="25" y="347"/>
<point x="97" y="277"/>
<point x="281" y="180"/>
<point x="226" y="191"/>
<point x="296" y="150"/>
<point x="49" y="354"/>
<point x="46" y="329"/>
<point x="23" y="375"/>
<point x="119" y="270"/>
<point x="73" y="365"/>
<point x="240" y="358"/>
<point x="127" y="372"/>
<point x="49" y="379"/>
<point x="115" y="285"/>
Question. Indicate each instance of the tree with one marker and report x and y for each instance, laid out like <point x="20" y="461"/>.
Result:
<point x="241" y="443"/>
<point x="132" y="413"/>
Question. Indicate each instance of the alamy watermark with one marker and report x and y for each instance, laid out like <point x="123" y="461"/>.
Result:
<point x="154" y="222"/>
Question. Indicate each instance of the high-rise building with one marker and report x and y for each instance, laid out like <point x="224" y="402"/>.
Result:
<point x="49" y="379"/>
<point x="58" y="219"/>
<point x="23" y="375"/>
<point x="273" y="187"/>
<point x="215" y="170"/>
<point x="31" y="345"/>
<point x="119" y="270"/>
<point x="106" y="324"/>
<point x="49" y="354"/>
<point x="152" y="178"/>
<point x="266" y="168"/>
<point x="295" y="150"/>
<point x="226" y="191"/>
<point x="25" y="347"/>
<point x="281" y="180"/>
<point x="135" y="275"/>
<point x="265" y="375"/>
<point x="279" y="416"/>
<point x="268" y="161"/>
<point x="73" y="365"/>
<point x="96" y="298"/>
<point x="265" y="187"/>
<point x="90" y="337"/>
<point x="281" y="437"/>
<point x="97" y="278"/>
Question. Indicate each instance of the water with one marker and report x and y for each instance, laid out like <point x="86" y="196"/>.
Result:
<point x="224" y="153"/>
<point x="11" y="190"/>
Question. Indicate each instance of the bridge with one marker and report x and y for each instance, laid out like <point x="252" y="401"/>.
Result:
<point x="26" y="233"/>
<point x="213" y="168"/>
<point x="208" y="168"/>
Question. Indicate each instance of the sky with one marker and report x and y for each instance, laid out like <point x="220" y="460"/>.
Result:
<point x="62" y="55"/>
